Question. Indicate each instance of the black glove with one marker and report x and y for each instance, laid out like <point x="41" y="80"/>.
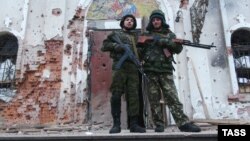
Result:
<point x="164" y="42"/>
<point x="156" y="38"/>
<point x="159" y="41"/>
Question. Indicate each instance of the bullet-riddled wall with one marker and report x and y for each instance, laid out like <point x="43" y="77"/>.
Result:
<point x="51" y="64"/>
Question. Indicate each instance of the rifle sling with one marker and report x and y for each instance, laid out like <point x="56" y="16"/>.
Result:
<point x="134" y="45"/>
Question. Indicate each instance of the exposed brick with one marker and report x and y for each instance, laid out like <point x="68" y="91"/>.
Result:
<point x="33" y="103"/>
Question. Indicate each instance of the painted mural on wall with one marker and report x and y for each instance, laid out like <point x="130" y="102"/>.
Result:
<point x="115" y="9"/>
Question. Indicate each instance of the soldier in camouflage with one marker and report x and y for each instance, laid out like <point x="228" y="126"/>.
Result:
<point x="125" y="79"/>
<point x="157" y="55"/>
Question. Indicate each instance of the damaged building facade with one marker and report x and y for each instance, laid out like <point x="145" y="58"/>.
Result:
<point x="52" y="70"/>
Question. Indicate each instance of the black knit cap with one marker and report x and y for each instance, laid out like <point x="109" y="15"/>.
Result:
<point x="157" y="14"/>
<point x="126" y="16"/>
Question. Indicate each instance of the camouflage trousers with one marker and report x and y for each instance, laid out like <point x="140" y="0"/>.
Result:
<point x="126" y="81"/>
<point x="163" y="82"/>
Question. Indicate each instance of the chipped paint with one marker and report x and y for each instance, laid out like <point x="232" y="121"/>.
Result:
<point x="21" y="33"/>
<point x="73" y="104"/>
<point x="7" y="22"/>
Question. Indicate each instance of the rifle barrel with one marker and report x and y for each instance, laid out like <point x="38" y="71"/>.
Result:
<point x="198" y="45"/>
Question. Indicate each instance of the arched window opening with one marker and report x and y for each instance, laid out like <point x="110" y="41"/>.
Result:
<point x="241" y="51"/>
<point x="8" y="55"/>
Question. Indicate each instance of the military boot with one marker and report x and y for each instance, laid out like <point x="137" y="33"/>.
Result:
<point x="116" y="125"/>
<point x="190" y="127"/>
<point x="116" y="113"/>
<point x="159" y="128"/>
<point x="134" y="127"/>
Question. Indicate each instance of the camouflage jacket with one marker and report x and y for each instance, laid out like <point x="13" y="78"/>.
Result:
<point x="155" y="60"/>
<point x="110" y="45"/>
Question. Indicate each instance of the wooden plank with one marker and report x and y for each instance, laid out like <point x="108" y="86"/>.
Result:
<point x="200" y="91"/>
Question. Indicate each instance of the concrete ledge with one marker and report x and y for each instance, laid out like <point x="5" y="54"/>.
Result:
<point x="125" y="135"/>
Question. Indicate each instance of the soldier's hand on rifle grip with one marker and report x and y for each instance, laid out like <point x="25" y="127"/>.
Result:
<point x="178" y="41"/>
<point x="118" y="49"/>
<point x="156" y="38"/>
<point x="162" y="42"/>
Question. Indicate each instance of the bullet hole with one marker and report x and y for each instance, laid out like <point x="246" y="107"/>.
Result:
<point x="40" y="53"/>
<point x="19" y="115"/>
<point x="67" y="51"/>
<point x="70" y="24"/>
<point x="56" y="11"/>
<point x="85" y="64"/>
<point x="28" y="117"/>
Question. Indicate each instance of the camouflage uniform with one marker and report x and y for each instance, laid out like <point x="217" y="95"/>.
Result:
<point x="125" y="79"/>
<point x="158" y="67"/>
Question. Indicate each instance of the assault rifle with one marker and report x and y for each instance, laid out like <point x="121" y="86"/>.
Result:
<point x="142" y="39"/>
<point x="128" y="54"/>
